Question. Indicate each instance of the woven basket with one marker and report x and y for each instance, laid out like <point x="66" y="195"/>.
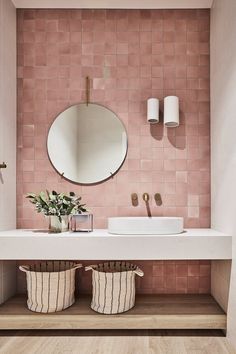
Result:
<point x="50" y="285"/>
<point x="113" y="286"/>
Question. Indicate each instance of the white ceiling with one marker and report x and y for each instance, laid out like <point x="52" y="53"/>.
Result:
<point x="114" y="4"/>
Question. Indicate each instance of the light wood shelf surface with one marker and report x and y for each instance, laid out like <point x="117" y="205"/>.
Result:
<point x="150" y="312"/>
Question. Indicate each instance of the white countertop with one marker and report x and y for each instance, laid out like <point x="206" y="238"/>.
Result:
<point x="100" y="245"/>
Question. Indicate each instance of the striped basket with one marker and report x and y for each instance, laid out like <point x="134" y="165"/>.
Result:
<point x="50" y="285"/>
<point x="113" y="286"/>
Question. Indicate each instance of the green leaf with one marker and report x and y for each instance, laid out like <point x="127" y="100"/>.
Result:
<point x="53" y="203"/>
<point x="52" y="197"/>
<point x="31" y="195"/>
<point x="43" y="196"/>
<point x="67" y="198"/>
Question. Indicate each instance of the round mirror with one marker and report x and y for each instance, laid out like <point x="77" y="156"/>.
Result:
<point x="87" y="143"/>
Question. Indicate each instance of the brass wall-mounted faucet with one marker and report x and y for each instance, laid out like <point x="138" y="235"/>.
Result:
<point x="146" y="198"/>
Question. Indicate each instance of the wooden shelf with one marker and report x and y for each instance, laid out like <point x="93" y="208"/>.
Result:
<point x="150" y="312"/>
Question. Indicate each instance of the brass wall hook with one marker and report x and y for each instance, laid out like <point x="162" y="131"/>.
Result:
<point x="87" y="90"/>
<point x="3" y="165"/>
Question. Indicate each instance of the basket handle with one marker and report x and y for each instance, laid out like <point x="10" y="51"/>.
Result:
<point x="139" y="272"/>
<point x="77" y="266"/>
<point x="24" y="268"/>
<point x="89" y="267"/>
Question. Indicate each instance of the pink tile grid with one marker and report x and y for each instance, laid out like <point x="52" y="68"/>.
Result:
<point x="160" y="277"/>
<point x="130" y="55"/>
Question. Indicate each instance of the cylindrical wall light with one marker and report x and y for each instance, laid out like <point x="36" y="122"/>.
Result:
<point x="153" y="110"/>
<point x="171" y="111"/>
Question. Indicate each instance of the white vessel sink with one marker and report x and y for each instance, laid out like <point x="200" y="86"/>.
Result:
<point x="145" y="225"/>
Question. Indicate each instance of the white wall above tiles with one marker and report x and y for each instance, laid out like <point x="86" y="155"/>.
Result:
<point x="7" y="114"/>
<point x="223" y="147"/>
<point x="7" y="280"/>
<point x="114" y="4"/>
<point x="7" y="138"/>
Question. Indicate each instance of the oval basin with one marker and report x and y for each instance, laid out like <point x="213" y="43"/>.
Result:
<point x="156" y="225"/>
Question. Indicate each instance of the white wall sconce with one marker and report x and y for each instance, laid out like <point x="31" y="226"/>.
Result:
<point x="171" y="111"/>
<point x="153" y="110"/>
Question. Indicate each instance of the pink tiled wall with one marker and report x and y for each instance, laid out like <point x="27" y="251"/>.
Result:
<point x="162" y="277"/>
<point x="130" y="55"/>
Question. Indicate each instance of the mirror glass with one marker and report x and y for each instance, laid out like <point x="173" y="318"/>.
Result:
<point x="87" y="143"/>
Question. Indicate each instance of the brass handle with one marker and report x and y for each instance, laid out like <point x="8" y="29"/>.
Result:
<point x="158" y="199"/>
<point x="134" y="198"/>
<point x="3" y="165"/>
<point x="146" y="197"/>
